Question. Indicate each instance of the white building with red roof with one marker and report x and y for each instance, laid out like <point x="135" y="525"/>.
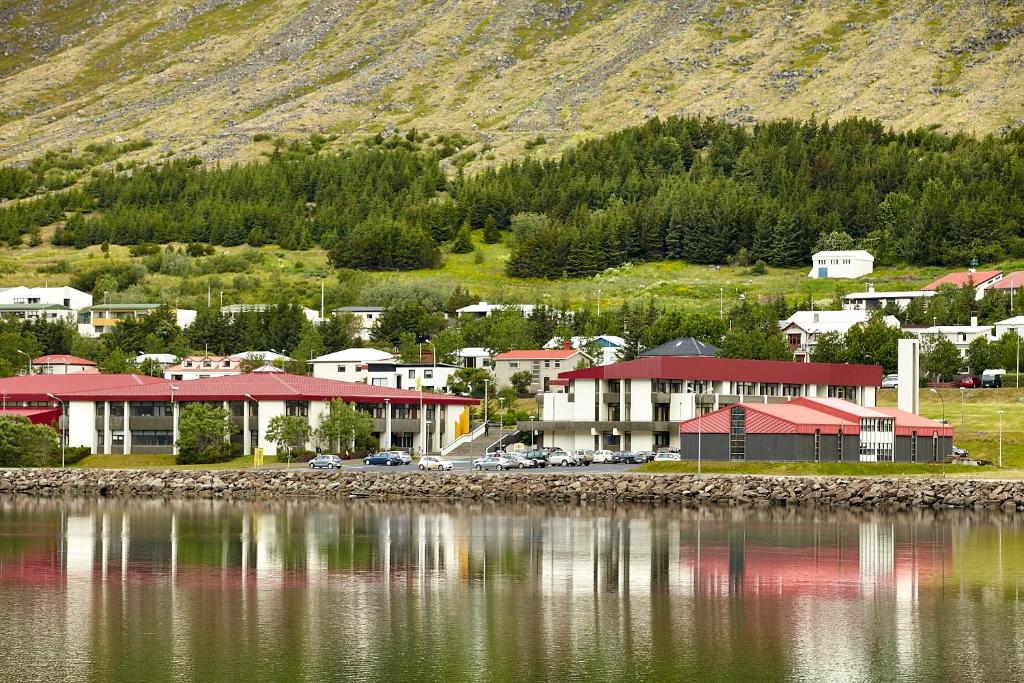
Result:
<point x="139" y="414"/>
<point x="63" y="364"/>
<point x="543" y="364"/>
<point x="639" y="404"/>
<point x="980" y="280"/>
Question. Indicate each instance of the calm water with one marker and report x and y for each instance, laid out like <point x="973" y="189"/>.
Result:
<point x="107" y="590"/>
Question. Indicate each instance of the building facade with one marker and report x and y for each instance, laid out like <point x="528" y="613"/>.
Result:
<point x="349" y="365"/>
<point x="201" y="367"/>
<point x="606" y="347"/>
<point x="68" y="297"/>
<point x="96" y="320"/>
<point x="639" y="404"/>
<point x="366" y="315"/>
<point x="63" y="364"/>
<point x="803" y="329"/>
<point x="851" y="263"/>
<point x="543" y="366"/>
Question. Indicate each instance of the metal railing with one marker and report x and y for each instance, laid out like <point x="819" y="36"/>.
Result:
<point x="466" y="438"/>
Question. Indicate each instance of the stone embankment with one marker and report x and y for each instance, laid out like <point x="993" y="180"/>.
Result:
<point x="885" y="493"/>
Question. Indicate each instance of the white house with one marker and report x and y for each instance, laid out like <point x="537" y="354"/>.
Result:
<point x="366" y="315"/>
<point x="474" y="357"/>
<point x="870" y="300"/>
<point x="414" y="376"/>
<point x="852" y="263"/>
<point x="1014" y="324"/>
<point x="262" y="356"/>
<point x="96" y="320"/>
<point x="960" y="335"/>
<point x="484" y="309"/>
<point x="62" y="296"/>
<point x="350" y="365"/>
<point x="803" y="328"/>
<point x="201" y="367"/>
<point x="608" y="346"/>
<point x="63" y="364"/>
<point x="48" y="312"/>
<point x="234" y="309"/>
<point x="165" y="360"/>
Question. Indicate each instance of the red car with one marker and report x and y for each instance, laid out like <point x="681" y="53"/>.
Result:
<point x="969" y="382"/>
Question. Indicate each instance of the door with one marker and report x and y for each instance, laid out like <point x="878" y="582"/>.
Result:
<point x="823" y="272"/>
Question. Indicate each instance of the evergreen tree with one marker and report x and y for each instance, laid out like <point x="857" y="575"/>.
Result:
<point x="491" y="233"/>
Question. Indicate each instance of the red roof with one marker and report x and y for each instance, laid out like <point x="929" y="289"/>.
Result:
<point x="960" y="279"/>
<point x="61" y="359"/>
<point x="733" y="369"/>
<point x="262" y="387"/>
<point x="36" y="387"/>
<point x="1013" y="280"/>
<point x="839" y="407"/>
<point x="908" y="422"/>
<point x="772" y="418"/>
<point x="537" y="354"/>
<point x="37" y="416"/>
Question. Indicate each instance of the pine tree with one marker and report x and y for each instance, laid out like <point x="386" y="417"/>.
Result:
<point x="463" y="243"/>
<point x="491" y="233"/>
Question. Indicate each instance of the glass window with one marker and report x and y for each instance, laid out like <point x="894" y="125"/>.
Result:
<point x="428" y="374"/>
<point x="151" y="409"/>
<point x="117" y="437"/>
<point x="300" y="408"/>
<point x="152" y="437"/>
<point x="412" y="374"/>
<point x="117" y="409"/>
<point x="513" y="364"/>
<point x="341" y="368"/>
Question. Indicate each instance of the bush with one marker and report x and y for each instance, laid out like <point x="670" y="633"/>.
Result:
<point x="23" y="444"/>
<point x="218" y="452"/>
<point x="74" y="454"/>
<point x="261" y="137"/>
<point x="759" y="268"/>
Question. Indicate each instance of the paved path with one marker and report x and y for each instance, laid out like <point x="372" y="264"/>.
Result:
<point x="465" y="466"/>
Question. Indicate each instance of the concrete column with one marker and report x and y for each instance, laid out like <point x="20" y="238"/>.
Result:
<point x="175" y="410"/>
<point x="127" y="430"/>
<point x="438" y="425"/>
<point x="227" y="409"/>
<point x="107" y="436"/>
<point x="385" y="438"/>
<point x="246" y="431"/>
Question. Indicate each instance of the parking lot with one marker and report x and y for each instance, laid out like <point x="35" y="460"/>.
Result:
<point x="465" y="466"/>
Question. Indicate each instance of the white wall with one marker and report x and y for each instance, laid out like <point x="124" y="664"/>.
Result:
<point x="268" y="411"/>
<point x="82" y="424"/>
<point x="325" y="370"/>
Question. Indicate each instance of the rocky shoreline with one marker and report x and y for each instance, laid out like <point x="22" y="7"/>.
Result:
<point x="684" y="489"/>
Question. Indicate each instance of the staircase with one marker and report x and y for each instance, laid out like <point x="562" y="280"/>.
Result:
<point x="473" y="444"/>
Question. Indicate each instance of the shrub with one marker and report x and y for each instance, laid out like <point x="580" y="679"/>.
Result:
<point x="759" y="268"/>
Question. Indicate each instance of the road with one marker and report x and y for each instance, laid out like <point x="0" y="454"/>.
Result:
<point x="466" y="466"/>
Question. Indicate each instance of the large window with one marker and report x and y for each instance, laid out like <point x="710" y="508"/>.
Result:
<point x="117" y="409"/>
<point x="848" y="393"/>
<point x="792" y="390"/>
<point x="299" y="408"/>
<point x="152" y="437"/>
<point x="745" y="388"/>
<point x="151" y="409"/>
<point x="737" y="434"/>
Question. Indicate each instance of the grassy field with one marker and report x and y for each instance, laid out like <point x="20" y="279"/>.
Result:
<point x="133" y="461"/>
<point x="297" y="275"/>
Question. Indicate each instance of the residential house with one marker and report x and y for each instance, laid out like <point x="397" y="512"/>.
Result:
<point x="69" y="297"/>
<point x="96" y="320"/>
<point x="366" y="315"/>
<point x="414" y="376"/>
<point x="350" y="365"/>
<point x="63" y="364"/>
<point x="682" y="346"/>
<point x="234" y="309"/>
<point x="474" y="357"/>
<point x="981" y="280"/>
<point x="164" y="360"/>
<point x="48" y="312"/>
<point x="484" y="309"/>
<point x="201" y="367"/>
<point x="870" y="300"/>
<point x="960" y="335"/>
<point x="1014" y="324"/>
<point x="639" y="404"/>
<point x="543" y="364"/>
<point x="607" y="346"/>
<point x="851" y="263"/>
<point x="803" y="329"/>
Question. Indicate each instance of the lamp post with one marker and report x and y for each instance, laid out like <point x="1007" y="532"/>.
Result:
<point x="1000" y="437"/>
<point x="721" y="302"/>
<point x="28" y="358"/>
<point x="936" y="392"/>
<point x="963" y="394"/>
<point x="700" y="414"/>
<point x="533" y="432"/>
<point x="62" y="434"/>
<point x="487" y="384"/>
<point x="501" y="422"/>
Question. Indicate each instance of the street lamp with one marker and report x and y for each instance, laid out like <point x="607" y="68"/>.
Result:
<point x="1000" y="437"/>
<point x="28" y="358"/>
<point x="721" y="302"/>
<point x="487" y="384"/>
<point x="697" y="406"/>
<point x="533" y="432"/>
<point x="62" y="418"/>
<point x="936" y="392"/>
<point x="501" y="422"/>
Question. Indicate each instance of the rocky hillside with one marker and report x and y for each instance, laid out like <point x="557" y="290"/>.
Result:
<point x="204" y="76"/>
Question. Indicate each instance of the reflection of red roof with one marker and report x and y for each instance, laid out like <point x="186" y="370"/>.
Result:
<point x="733" y="369"/>
<point x="960" y="279"/>
<point x="37" y="416"/>
<point x="36" y="387"/>
<point x="1011" y="281"/>
<point x="61" y="359"/>
<point x="538" y="354"/>
<point x="263" y="387"/>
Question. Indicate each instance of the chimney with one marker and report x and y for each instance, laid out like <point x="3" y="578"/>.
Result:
<point x="871" y="288"/>
<point x="974" y="321"/>
<point x="566" y="344"/>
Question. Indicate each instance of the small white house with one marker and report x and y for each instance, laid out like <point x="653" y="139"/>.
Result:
<point x="608" y="346"/>
<point x="60" y="296"/>
<point x="960" y="335"/>
<point x="1014" y="324"/>
<point x="350" y="365"/>
<point x="366" y="315"/>
<point x="485" y="310"/>
<point x="474" y="357"/>
<point x="842" y="264"/>
<point x="803" y="328"/>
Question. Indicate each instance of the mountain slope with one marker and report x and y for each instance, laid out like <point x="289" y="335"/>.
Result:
<point x="203" y="76"/>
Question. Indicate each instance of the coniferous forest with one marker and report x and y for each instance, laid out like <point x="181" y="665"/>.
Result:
<point x="684" y="188"/>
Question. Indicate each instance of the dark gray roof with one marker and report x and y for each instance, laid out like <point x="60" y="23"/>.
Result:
<point x="683" y="346"/>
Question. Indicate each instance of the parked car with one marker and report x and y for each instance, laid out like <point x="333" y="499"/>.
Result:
<point x="383" y="458"/>
<point x="960" y="452"/>
<point x="891" y="382"/>
<point x="991" y="379"/>
<point x="603" y="456"/>
<point x="620" y="457"/>
<point x="539" y="458"/>
<point x="563" y="459"/>
<point x="492" y="462"/>
<point x="325" y="462"/>
<point x="434" y="462"/>
<point x="584" y="457"/>
<point x="641" y="457"/>
<point x="520" y="460"/>
<point x="969" y="381"/>
<point x="403" y="456"/>
<point x="669" y="456"/>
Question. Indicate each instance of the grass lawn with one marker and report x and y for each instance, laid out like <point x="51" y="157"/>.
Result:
<point x="133" y="461"/>
<point x="844" y="469"/>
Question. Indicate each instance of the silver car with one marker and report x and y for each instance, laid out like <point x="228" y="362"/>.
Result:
<point x="493" y="462"/>
<point x="562" y="458"/>
<point x="519" y="460"/>
<point x="403" y="456"/>
<point x="325" y="462"/>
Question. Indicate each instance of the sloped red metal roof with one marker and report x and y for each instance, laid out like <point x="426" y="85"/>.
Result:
<point x="734" y="369"/>
<point x="960" y="279"/>
<point x="1013" y="280"/>
<point x="907" y="423"/>
<point x="61" y="359"/>
<point x="773" y="418"/>
<point x="36" y="387"/>
<point x="265" y="387"/>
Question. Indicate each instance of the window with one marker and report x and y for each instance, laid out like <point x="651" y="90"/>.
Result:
<point x="225" y="363"/>
<point x="558" y="363"/>
<point x="839" y="445"/>
<point x="207" y="363"/>
<point x="913" y="446"/>
<point x="428" y="374"/>
<point x="254" y="408"/>
<point x="236" y="408"/>
<point x="769" y="389"/>
<point x="150" y="409"/>
<point x="117" y="437"/>
<point x="935" y="446"/>
<point x="341" y="368"/>
<point x="187" y="364"/>
<point x="99" y="438"/>
<point x="737" y="434"/>
<point x="848" y="393"/>
<point x="412" y="374"/>
<point x="791" y="390"/>
<point x="794" y="339"/>
<point x="745" y="388"/>
<point x="152" y="437"/>
<point x="379" y="381"/>
<point x="299" y="408"/>
<point x="513" y="364"/>
<point x="117" y="409"/>
<point x="817" y="445"/>
<point x="547" y="364"/>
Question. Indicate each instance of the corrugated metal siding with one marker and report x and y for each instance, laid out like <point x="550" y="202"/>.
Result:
<point x="717" y="421"/>
<point x="780" y="447"/>
<point x="713" y="447"/>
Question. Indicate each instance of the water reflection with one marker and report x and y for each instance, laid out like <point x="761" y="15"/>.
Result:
<point x="403" y="591"/>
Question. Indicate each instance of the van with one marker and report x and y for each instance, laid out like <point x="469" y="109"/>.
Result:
<point x="992" y="379"/>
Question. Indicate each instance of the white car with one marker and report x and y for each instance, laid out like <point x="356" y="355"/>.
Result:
<point x="667" y="456"/>
<point x="562" y="458"/>
<point x="434" y="462"/>
<point x="403" y="456"/>
<point x="603" y="456"/>
<point x="520" y="461"/>
<point x="891" y="382"/>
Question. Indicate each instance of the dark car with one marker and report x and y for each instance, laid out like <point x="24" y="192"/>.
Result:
<point x="991" y="381"/>
<point x="969" y="382"/>
<point x="390" y="459"/>
<point x="641" y="457"/>
<point x="539" y="458"/>
<point x="621" y="457"/>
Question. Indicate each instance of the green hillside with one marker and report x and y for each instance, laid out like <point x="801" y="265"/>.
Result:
<point x="202" y="77"/>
